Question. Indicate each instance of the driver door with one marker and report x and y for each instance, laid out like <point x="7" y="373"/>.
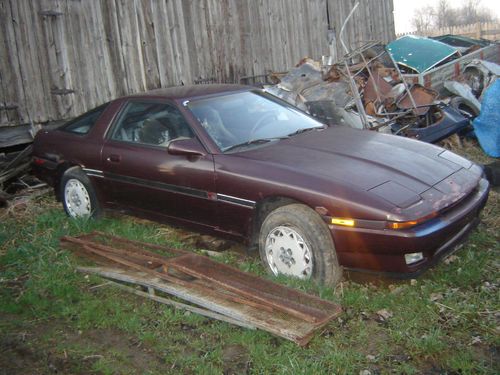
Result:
<point x="144" y="177"/>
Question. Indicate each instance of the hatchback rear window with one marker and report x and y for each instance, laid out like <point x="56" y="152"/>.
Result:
<point x="82" y="124"/>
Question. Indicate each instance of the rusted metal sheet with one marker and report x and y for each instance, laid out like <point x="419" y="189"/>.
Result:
<point x="376" y="89"/>
<point x="287" y="300"/>
<point x="423" y="98"/>
<point x="238" y="296"/>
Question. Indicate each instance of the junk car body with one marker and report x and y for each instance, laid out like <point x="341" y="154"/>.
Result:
<point x="431" y="63"/>
<point x="240" y="163"/>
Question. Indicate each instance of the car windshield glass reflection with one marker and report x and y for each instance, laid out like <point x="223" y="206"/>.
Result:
<point x="248" y="119"/>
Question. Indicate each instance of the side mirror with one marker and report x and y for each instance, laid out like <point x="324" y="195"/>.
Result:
<point x="186" y="146"/>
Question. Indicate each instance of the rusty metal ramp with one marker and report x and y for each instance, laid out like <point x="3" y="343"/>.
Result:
<point x="218" y="291"/>
<point x="287" y="300"/>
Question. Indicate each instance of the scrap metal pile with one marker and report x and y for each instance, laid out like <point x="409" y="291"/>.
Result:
<point x="366" y="90"/>
<point x="219" y="291"/>
<point x="15" y="179"/>
<point x="14" y="163"/>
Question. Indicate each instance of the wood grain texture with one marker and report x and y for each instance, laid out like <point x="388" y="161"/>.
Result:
<point x="60" y="58"/>
<point x="373" y="20"/>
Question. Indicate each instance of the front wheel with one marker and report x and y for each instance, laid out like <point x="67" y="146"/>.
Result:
<point x="295" y="241"/>
<point x="78" y="195"/>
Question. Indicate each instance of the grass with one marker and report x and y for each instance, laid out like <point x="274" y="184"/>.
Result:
<point x="53" y="318"/>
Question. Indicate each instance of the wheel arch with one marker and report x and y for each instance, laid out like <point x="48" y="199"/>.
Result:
<point x="262" y="209"/>
<point x="62" y="168"/>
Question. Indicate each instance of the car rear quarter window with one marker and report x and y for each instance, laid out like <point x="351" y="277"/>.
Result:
<point x="82" y="124"/>
<point x="150" y="123"/>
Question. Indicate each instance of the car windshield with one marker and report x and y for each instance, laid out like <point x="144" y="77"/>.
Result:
<point x="240" y="120"/>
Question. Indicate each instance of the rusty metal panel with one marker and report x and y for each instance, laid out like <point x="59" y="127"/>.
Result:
<point x="423" y="98"/>
<point x="288" y="300"/>
<point x="240" y="296"/>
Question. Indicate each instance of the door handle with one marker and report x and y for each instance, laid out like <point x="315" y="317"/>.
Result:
<point x="113" y="158"/>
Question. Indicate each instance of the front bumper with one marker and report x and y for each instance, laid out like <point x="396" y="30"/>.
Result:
<point x="383" y="250"/>
<point x="452" y="122"/>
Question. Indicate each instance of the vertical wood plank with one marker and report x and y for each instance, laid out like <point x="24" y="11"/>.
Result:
<point x="164" y="48"/>
<point x="147" y="44"/>
<point x="108" y="89"/>
<point x="111" y="29"/>
<point x="191" y="45"/>
<point x="11" y="82"/>
<point x="36" y="97"/>
<point x="52" y="52"/>
<point x="82" y="56"/>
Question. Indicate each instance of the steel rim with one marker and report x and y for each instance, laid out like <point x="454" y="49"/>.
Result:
<point x="288" y="253"/>
<point x="77" y="198"/>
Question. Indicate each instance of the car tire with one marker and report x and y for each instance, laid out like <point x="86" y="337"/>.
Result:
<point x="78" y="195"/>
<point x="295" y="241"/>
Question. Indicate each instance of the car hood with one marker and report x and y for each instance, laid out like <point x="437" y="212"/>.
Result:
<point x="396" y="169"/>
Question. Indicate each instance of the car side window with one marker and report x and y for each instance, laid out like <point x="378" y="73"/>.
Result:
<point x="151" y="123"/>
<point x="85" y="122"/>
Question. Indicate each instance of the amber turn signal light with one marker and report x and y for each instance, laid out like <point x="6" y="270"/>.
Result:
<point x="409" y="224"/>
<point x="344" y="222"/>
<point x="402" y="224"/>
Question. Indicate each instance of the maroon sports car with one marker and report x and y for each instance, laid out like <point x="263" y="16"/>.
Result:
<point x="241" y="163"/>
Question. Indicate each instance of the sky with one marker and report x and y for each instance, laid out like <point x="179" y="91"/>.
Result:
<point x="404" y="10"/>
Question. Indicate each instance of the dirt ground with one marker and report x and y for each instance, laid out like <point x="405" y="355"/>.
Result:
<point x="56" y="348"/>
<point x="29" y="350"/>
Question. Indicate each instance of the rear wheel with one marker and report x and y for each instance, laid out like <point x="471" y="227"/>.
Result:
<point x="295" y="241"/>
<point x="78" y="195"/>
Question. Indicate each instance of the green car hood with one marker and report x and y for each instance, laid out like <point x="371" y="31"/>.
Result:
<point x="419" y="53"/>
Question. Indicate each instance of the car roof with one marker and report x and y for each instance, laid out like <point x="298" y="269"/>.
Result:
<point x="419" y="53"/>
<point x="190" y="92"/>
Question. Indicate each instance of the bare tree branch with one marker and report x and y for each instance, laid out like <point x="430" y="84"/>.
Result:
<point x="445" y="15"/>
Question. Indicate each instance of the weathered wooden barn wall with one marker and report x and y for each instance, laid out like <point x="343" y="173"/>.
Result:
<point x="373" y="20"/>
<point x="59" y="58"/>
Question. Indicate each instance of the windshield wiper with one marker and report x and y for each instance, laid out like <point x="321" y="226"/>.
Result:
<point x="253" y="142"/>
<point x="303" y="130"/>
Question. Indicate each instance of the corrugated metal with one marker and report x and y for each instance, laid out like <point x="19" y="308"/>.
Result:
<point x="60" y="58"/>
